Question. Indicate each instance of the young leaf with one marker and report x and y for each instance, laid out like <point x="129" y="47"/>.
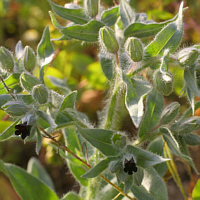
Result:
<point x="29" y="59"/>
<point x="27" y="185"/>
<point x="87" y="32"/>
<point x="45" y="51"/>
<point x="72" y="196"/>
<point x="28" y="81"/>
<point x="152" y="187"/>
<point x="154" y="107"/>
<point x="9" y="131"/>
<point x="101" y="139"/>
<point x="11" y="82"/>
<point x="35" y="168"/>
<point x="168" y="38"/>
<point x="77" y="16"/>
<point x="192" y="139"/>
<point x="69" y="101"/>
<point x="126" y="12"/>
<point x="144" y="158"/>
<point x="136" y="89"/>
<point x="99" y="168"/>
<point x="190" y="79"/>
<point x="6" y="59"/>
<point x="19" y="50"/>
<point x="109" y="17"/>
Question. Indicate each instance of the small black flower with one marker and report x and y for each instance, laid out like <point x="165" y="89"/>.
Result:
<point x="130" y="166"/>
<point x="23" y="129"/>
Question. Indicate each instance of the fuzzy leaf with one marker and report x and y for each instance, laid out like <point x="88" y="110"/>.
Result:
<point x="144" y="158"/>
<point x="19" y="50"/>
<point x="45" y="51"/>
<point x="154" y="107"/>
<point x="168" y="38"/>
<point x="101" y="139"/>
<point x="99" y="168"/>
<point x="192" y="139"/>
<point x="28" y="81"/>
<point x="136" y="89"/>
<point x="6" y="59"/>
<point x="109" y="17"/>
<point x="152" y="187"/>
<point x="26" y="185"/>
<point x="76" y="15"/>
<point x="88" y="32"/>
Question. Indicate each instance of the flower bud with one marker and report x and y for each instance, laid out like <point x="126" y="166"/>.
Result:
<point x="91" y="7"/>
<point x="187" y="56"/>
<point x="163" y="82"/>
<point x="15" y="108"/>
<point x="134" y="48"/>
<point x="6" y="59"/>
<point x="29" y="59"/>
<point x="108" y="40"/>
<point x="40" y="94"/>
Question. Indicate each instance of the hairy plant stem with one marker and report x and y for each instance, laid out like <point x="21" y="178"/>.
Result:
<point x="61" y="146"/>
<point x="173" y="169"/>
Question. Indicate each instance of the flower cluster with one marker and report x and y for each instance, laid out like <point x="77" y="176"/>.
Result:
<point x="23" y="129"/>
<point x="130" y="166"/>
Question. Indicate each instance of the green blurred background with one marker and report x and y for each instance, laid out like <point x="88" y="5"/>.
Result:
<point x="77" y="65"/>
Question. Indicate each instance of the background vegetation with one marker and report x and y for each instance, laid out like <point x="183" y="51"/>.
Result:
<point x="77" y="65"/>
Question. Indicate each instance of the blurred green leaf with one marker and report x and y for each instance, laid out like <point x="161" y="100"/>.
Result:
<point x="71" y="196"/>
<point x="196" y="191"/>
<point x="26" y="185"/>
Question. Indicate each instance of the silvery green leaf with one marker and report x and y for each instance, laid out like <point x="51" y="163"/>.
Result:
<point x="6" y="59"/>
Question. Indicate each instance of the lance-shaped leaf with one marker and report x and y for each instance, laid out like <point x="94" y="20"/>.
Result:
<point x="8" y="132"/>
<point x="19" y="50"/>
<point x="126" y="12"/>
<point x="35" y="168"/>
<point x="28" y="81"/>
<point x="76" y="15"/>
<point x="54" y="21"/>
<point x="168" y="38"/>
<point x="192" y="139"/>
<point x="26" y="185"/>
<point x="190" y="79"/>
<point x="88" y="32"/>
<point x="45" y="51"/>
<point x="191" y="98"/>
<point x="154" y="107"/>
<point x="99" y="168"/>
<point x="6" y="59"/>
<point x="11" y="82"/>
<point x="101" y="139"/>
<point x="174" y="146"/>
<point x="69" y="101"/>
<point x="109" y="17"/>
<point x="152" y="187"/>
<point x="136" y="89"/>
<point x="144" y="158"/>
<point x="141" y="30"/>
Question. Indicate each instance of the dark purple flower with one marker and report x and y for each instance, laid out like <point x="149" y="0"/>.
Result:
<point x="130" y="166"/>
<point x="23" y="129"/>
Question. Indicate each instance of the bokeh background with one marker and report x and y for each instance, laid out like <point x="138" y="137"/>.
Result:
<point x="78" y="64"/>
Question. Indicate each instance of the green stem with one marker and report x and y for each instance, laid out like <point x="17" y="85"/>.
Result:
<point x="173" y="169"/>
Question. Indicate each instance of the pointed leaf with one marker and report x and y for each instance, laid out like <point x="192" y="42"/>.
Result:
<point x="190" y="79"/>
<point x="9" y="131"/>
<point x="144" y="158"/>
<point x="191" y="98"/>
<point x="29" y="81"/>
<point x="154" y="107"/>
<point x="192" y="139"/>
<point x="19" y="50"/>
<point x="75" y="15"/>
<point x="126" y="12"/>
<point x="136" y="89"/>
<point x="26" y="185"/>
<point x="168" y="38"/>
<point x="152" y="187"/>
<point x="99" y="168"/>
<point x="109" y="17"/>
<point x="88" y="32"/>
<point x="35" y="168"/>
<point x="101" y="139"/>
<point x="45" y="51"/>
<point x="69" y="101"/>
<point x="54" y="21"/>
